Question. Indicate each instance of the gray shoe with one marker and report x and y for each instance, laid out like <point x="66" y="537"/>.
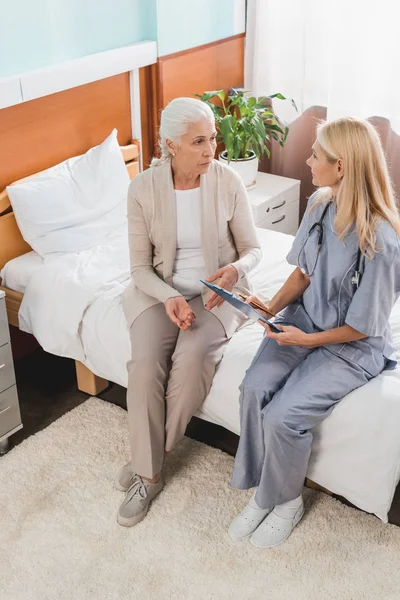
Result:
<point x="124" y="478"/>
<point x="137" y="499"/>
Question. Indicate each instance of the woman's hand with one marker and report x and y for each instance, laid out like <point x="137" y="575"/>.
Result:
<point x="227" y="276"/>
<point x="290" y="336"/>
<point x="180" y="312"/>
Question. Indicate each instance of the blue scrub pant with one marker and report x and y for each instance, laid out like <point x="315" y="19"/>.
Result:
<point x="286" y="392"/>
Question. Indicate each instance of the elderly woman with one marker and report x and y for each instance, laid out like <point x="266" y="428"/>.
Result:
<point x="189" y="219"/>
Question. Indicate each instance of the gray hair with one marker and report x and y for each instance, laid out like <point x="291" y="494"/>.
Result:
<point x="176" y="118"/>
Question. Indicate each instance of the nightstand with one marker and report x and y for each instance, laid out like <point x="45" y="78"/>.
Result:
<point x="10" y="416"/>
<point x="275" y="201"/>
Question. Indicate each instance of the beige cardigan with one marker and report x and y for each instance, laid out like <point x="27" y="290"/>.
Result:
<point x="228" y="236"/>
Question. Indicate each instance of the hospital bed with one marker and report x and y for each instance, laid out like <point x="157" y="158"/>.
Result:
<point x="73" y="306"/>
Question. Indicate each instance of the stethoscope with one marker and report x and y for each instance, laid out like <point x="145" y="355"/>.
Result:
<point x="356" y="278"/>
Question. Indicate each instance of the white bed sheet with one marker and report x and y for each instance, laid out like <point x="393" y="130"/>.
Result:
<point x="17" y="272"/>
<point x="356" y="450"/>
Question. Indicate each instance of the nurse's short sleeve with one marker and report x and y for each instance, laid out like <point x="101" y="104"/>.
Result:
<point x="372" y="303"/>
<point x="302" y="232"/>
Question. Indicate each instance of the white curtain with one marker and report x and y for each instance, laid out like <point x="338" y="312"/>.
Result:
<point x="343" y="55"/>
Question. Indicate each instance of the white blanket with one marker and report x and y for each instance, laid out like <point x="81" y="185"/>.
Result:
<point x="62" y="289"/>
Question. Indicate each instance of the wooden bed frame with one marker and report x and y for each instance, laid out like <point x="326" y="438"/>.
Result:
<point x="12" y="245"/>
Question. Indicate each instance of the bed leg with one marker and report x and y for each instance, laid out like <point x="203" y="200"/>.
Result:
<point x="314" y="486"/>
<point x="87" y="381"/>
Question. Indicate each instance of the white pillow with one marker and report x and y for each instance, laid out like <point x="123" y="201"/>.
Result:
<point x="76" y="204"/>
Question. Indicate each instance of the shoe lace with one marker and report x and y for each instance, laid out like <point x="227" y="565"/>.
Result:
<point x="138" y="488"/>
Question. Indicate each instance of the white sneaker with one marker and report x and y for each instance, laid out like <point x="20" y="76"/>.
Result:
<point x="275" y="530"/>
<point x="124" y="478"/>
<point x="246" y="522"/>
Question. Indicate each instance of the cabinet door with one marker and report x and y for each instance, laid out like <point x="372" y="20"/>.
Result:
<point x="10" y="417"/>
<point x="285" y="220"/>
<point x="7" y="376"/>
<point x="265" y="204"/>
<point x="4" y="334"/>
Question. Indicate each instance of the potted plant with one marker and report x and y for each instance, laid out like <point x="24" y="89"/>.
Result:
<point x="244" y="125"/>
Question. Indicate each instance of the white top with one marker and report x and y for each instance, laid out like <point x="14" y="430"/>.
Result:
<point x="189" y="266"/>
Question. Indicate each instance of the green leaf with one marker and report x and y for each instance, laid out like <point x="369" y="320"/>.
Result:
<point x="273" y="127"/>
<point x="236" y="148"/>
<point x="208" y="95"/>
<point x="246" y="126"/>
<point x="280" y="96"/>
<point x="268" y="114"/>
<point x="259" y="126"/>
<point x="221" y="95"/>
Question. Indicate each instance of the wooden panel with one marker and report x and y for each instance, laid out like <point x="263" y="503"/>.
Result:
<point x="149" y="111"/>
<point x="87" y="381"/>
<point x="219" y="65"/>
<point x="12" y="243"/>
<point x="315" y="486"/>
<point x="4" y="202"/>
<point x="212" y="66"/>
<point x="38" y="134"/>
<point x="133" y="168"/>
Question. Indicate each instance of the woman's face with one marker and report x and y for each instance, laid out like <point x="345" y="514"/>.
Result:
<point x="324" y="173"/>
<point x="196" y="149"/>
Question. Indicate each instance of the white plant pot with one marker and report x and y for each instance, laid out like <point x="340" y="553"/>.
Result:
<point x="246" y="167"/>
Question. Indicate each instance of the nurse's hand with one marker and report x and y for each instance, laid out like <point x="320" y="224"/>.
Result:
<point x="180" y="312"/>
<point x="227" y="276"/>
<point x="289" y="336"/>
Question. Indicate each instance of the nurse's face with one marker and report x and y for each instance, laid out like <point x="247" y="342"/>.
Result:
<point x="324" y="173"/>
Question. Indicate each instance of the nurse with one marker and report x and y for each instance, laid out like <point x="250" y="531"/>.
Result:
<point x="333" y="312"/>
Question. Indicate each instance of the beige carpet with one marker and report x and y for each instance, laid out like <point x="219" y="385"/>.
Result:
<point x="59" y="538"/>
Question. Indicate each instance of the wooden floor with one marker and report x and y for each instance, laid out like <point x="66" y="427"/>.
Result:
<point x="47" y="390"/>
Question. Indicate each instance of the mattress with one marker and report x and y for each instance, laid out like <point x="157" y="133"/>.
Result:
<point x="356" y="450"/>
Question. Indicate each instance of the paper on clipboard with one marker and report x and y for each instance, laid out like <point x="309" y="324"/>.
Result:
<point x="245" y="308"/>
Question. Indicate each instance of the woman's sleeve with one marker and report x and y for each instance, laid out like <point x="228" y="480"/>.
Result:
<point x="141" y="255"/>
<point x="244" y="233"/>
<point x="372" y="303"/>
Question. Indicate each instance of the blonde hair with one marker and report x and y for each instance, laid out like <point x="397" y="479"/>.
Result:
<point x="176" y="118"/>
<point x="365" y="194"/>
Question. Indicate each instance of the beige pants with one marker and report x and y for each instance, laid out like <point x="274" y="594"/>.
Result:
<point x="170" y="374"/>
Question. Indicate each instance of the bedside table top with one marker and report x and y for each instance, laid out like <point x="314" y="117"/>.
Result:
<point x="269" y="186"/>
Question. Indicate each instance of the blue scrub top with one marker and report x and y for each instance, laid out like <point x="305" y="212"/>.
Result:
<point x="331" y="300"/>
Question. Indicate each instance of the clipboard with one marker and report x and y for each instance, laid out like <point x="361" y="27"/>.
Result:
<point x="245" y="308"/>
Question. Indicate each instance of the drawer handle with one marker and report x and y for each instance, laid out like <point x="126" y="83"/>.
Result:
<point x="4" y="410"/>
<point x="279" y="220"/>
<point x="2" y="366"/>
<point x="279" y="205"/>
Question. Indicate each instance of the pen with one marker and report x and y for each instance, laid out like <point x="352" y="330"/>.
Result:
<point x="258" y="305"/>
